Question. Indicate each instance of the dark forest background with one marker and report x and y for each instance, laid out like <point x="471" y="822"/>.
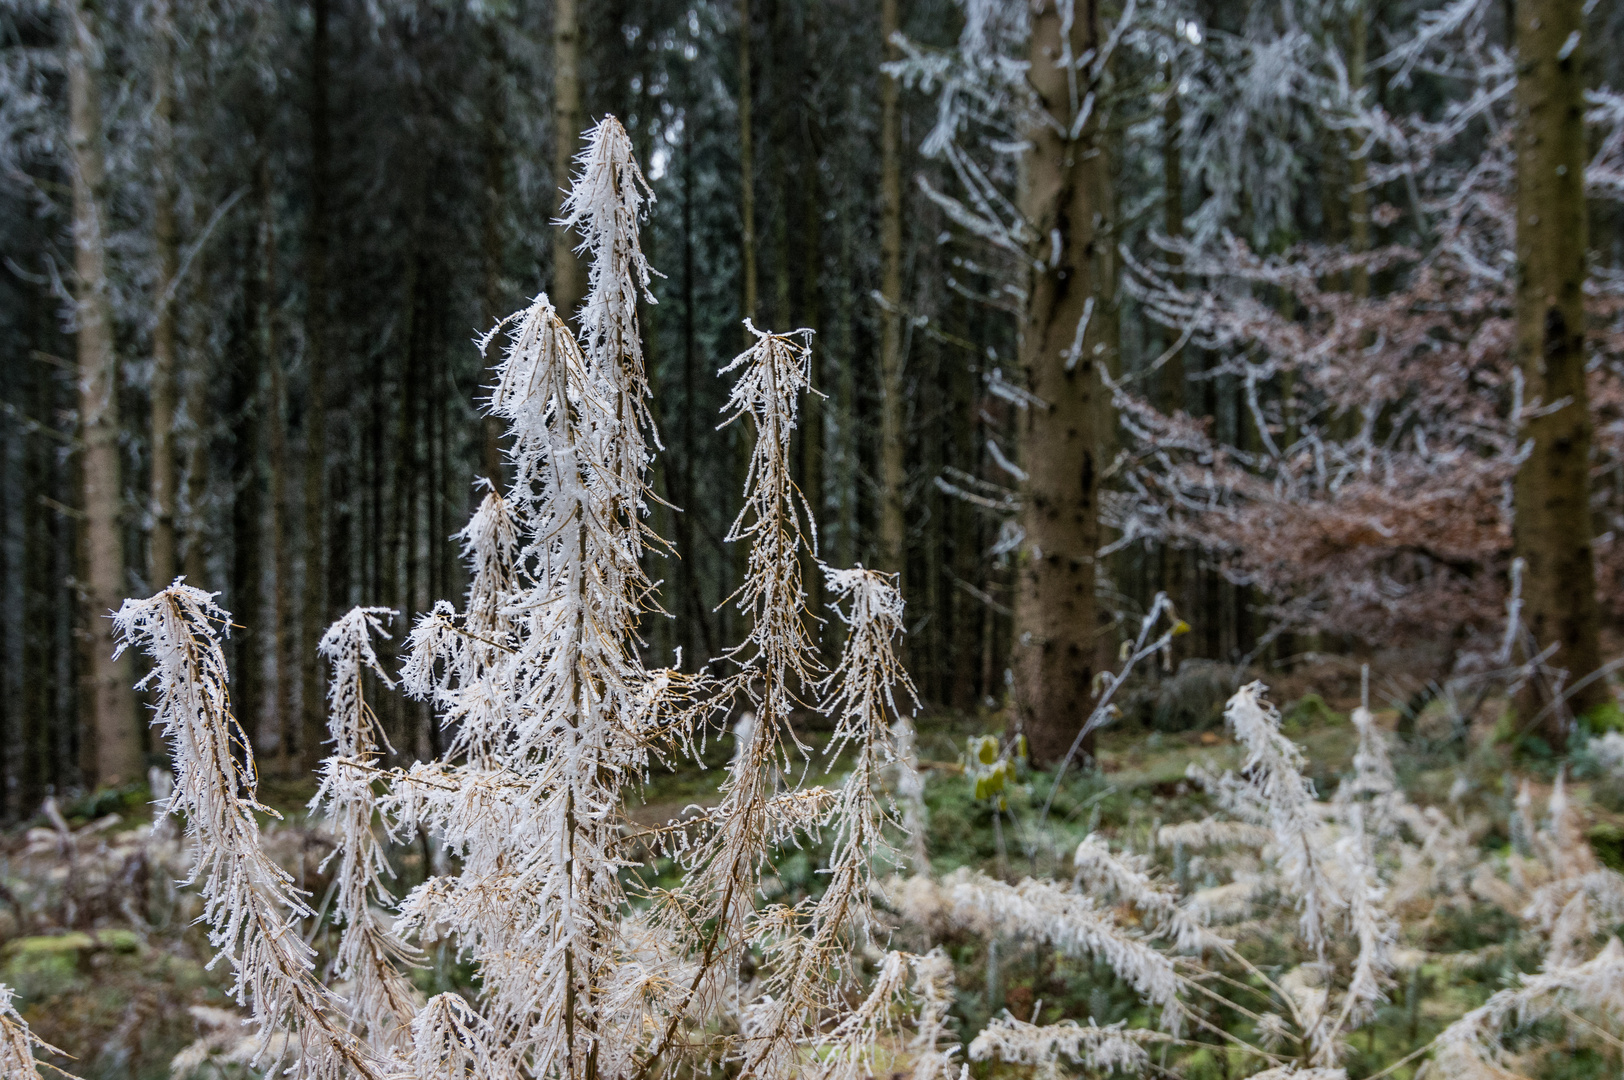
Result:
<point x="358" y="189"/>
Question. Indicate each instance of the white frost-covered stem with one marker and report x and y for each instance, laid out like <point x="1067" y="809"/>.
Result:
<point x="370" y="955"/>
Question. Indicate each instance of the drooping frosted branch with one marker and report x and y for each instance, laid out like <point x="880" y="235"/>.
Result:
<point x="1070" y="922"/>
<point x="1273" y="776"/>
<point x="249" y="902"/>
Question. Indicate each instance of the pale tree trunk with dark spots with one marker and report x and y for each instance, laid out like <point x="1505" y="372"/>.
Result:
<point x="1056" y="626"/>
<point x="116" y="741"/>
<point x="1552" y="491"/>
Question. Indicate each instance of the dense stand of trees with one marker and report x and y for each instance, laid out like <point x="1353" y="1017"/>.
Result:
<point x="247" y="245"/>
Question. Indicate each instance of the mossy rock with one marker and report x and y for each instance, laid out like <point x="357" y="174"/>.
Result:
<point x="1193" y="699"/>
<point x="1604" y="718"/>
<point x="71" y="944"/>
<point x="1307" y="712"/>
<point x="1607" y="841"/>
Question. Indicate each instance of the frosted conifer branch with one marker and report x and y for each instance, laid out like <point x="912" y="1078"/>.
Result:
<point x="1213" y="832"/>
<point x="1470" y="1047"/>
<point x="933" y="1045"/>
<point x="17" y="1043"/>
<point x="847" y="1051"/>
<point x="369" y="953"/>
<point x="451" y="1040"/>
<point x="1114" y="1047"/>
<point x="1073" y="924"/>
<point x="607" y="200"/>
<point x="1273" y="772"/>
<point x="1102" y="872"/>
<point x="249" y="902"/>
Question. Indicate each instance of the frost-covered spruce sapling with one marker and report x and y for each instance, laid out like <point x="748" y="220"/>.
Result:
<point x="543" y="671"/>
<point x="551" y="717"/>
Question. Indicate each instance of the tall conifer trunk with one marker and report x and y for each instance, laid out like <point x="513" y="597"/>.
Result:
<point x="162" y="543"/>
<point x="495" y="153"/>
<point x="568" y="283"/>
<point x="893" y="539"/>
<point x="1358" y="159"/>
<point x="313" y="618"/>
<point x="1552" y="491"/>
<point x="1055" y="621"/>
<point x="1174" y="380"/>
<point x="748" y="285"/>
<point x="285" y="705"/>
<point x="812" y="450"/>
<point x="111" y="704"/>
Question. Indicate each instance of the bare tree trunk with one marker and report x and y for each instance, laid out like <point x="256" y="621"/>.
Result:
<point x="111" y="713"/>
<point x="1552" y="491"/>
<point x="491" y="225"/>
<point x="747" y="172"/>
<point x="285" y="705"/>
<point x="313" y="616"/>
<point x="195" y="557"/>
<point x="162" y="549"/>
<point x="1358" y="161"/>
<point x="568" y="284"/>
<point x="248" y="654"/>
<point x="1055" y="619"/>
<point x="749" y="299"/>
<point x="1174" y="381"/>
<point x="812" y="309"/>
<point x="893" y="538"/>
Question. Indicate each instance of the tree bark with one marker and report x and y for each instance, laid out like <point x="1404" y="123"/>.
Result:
<point x="313" y="616"/>
<point x="812" y="309"/>
<point x="740" y="433"/>
<point x="247" y="653"/>
<point x="893" y="439"/>
<point x="1174" y="381"/>
<point x="1358" y="161"/>
<point x="491" y="228"/>
<point x="285" y="705"/>
<point x="1552" y="530"/>
<point x="111" y="703"/>
<point x="162" y="543"/>
<point x="569" y="285"/>
<point x="747" y="173"/>
<point x="1055" y="619"/>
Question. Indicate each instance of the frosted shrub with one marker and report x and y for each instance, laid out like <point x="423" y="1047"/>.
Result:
<point x="1326" y="880"/>
<point x="552" y="716"/>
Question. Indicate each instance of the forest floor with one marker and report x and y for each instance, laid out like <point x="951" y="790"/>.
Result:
<point x="98" y="941"/>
